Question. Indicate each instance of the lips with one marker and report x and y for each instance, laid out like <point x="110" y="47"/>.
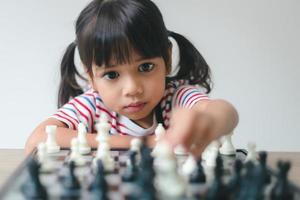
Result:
<point x="135" y="107"/>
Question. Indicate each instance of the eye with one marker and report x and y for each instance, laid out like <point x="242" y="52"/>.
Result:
<point x="146" y="67"/>
<point x="111" y="75"/>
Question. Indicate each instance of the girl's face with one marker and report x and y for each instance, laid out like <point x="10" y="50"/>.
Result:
<point x="132" y="89"/>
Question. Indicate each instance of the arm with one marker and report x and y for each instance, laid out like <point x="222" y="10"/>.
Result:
<point x="207" y="120"/>
<point x="64" y="136"/>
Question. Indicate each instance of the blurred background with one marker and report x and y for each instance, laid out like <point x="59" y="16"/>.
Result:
<point x="251" y="47"/>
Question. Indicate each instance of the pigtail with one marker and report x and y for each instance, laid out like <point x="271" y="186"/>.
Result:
<point x="193" y="67"/>
<point x="68" y="87"/>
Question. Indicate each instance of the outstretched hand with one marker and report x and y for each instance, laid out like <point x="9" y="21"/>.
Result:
<point x="191" y="129"/>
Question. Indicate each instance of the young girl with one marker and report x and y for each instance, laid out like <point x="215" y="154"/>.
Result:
<point x="126" y="52"/>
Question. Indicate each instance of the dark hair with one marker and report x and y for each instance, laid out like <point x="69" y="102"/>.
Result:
<point x="113" y="29"/>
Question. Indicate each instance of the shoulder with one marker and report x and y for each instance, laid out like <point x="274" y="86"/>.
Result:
<point x="183" y="94"/>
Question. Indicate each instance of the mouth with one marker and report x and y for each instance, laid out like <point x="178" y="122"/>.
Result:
<point x="134" y="107"/>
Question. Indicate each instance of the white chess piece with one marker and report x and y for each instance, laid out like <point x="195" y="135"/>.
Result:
<point x="167" y="175"/>
<point x="43" y="159"/>
<point x="103" y="154"/>
<point x="103" y="128"/>
<point x="252" y="154"/>
<point x="189" y="166"/>
<point x="180" y="150"/>
<point x="211" y="153"/>
<point x="212" y="147"/>
<point x="159" y="133"/>
<point x="227" y="147"/>
<point x="51" y="144"/>
<point x="75" y="154"/>
<point x="84" y="147"/>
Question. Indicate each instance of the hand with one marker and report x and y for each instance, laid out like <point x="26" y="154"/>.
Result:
<point x="191" y="129"/>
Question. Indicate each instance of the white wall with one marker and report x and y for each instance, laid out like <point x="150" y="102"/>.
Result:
<point x="251" y="47"/>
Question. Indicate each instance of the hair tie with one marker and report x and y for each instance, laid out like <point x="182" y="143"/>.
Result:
<point x="175" y="57"/>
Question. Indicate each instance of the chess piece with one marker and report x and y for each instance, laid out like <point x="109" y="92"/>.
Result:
<point x="33" y="188"/>
<point x="51" y="144"/>
<point x="131" y="170"/>
<point x="167" y="175"/>
<point x="198" y="175"/>
<point x="75" y="155"/>
<point x="159" y="133"/>
<point x="252" y="154"/>
<point x="103" y="154"/>
<point x="189" y="166"/>
<point x="227" y="147"/>
<point x="99" y="186"/>
<point x="218" y="189"/>
<point x="282" y="188"/>
<point x="70" y="183"/>
<point x="42" y="156"/>
<point x="84" y="147"/>
<point x="103" y="128"/>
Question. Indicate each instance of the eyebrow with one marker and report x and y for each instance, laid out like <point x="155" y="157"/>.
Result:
<point x="139" y="59"/>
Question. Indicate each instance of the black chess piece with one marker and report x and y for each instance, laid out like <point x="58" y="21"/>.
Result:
<point x="251" y="184"/>
<point x="198" y="176"/>
<point x="218" y="189"/>
<point x="262" y="167"/>
<point x="99" y="186"/>
<point x="131" y="170"/>
<point x="234" y="183"/>
<point x="33" y="188"/>
<point x="282" y="188"/>
<point x="71" y="184"/>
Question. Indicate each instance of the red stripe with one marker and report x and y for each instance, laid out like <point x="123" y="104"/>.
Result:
<point x="199" y="99"/>
<point x="106" y="111"/>
<point x="194" y="95"/>
<point x="69" y="116"/>
<point x="179" y="91"/>
<point x="88" y="109"/>
<point x="67" y="120"/>
<point x="86" y="118"/>
<point x="165" y="97"/>
<point x="182" y="94"/>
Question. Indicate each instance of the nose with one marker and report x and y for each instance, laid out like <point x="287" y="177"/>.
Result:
<point x="132" y="87"/>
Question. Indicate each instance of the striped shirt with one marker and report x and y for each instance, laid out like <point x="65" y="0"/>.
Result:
<point x="87" y="107"/>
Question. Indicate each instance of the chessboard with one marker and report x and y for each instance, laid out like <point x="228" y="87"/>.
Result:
<point x="133" y="178"/>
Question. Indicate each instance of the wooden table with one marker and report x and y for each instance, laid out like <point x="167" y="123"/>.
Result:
<point x="11" y="158"/>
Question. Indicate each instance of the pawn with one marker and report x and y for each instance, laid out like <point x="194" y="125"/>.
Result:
<point x="189" y="166"/>
<point x="51" y="144"/>
<point x="227" y="147"/>
<point x="218" y="189"/>
<point x="131" y="170"/>
<point x="235" y="181"/>
<point x="262" y="168"/>
<point x="75" y="155"/>
<point x="33" y="188"/>
<point x="252" y="154"/>
<point x="198" y="176"/>
<point x="70" y="183"/>
<point x="103" y="154"/>
<point x="282" y="188"/>
<point x="99" y="186"/>
<point x="84" y="147"/>
<point x="42" y="156"/>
